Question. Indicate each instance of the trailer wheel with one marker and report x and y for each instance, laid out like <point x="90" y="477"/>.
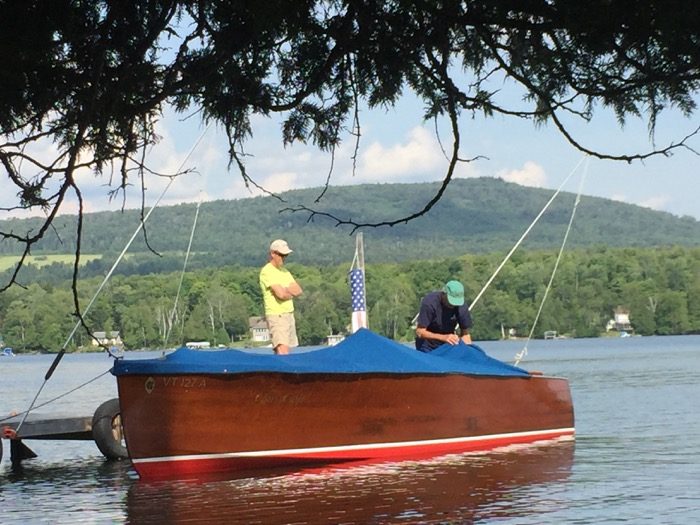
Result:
<point x="107" y="430"/>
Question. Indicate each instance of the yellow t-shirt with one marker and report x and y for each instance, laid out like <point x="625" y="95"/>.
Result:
<point x="270" y="275"/>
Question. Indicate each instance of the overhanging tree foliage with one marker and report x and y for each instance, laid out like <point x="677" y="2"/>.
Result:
<point x="91" y="78"/>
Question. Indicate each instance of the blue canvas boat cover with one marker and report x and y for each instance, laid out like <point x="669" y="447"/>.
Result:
<point x="361" y="352"/>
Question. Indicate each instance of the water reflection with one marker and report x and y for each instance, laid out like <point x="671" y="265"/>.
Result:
<point x="451" y="489"/>
<point x="86" y="490"/>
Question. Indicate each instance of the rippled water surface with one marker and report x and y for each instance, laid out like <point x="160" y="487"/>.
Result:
<point x="636" y="457"/>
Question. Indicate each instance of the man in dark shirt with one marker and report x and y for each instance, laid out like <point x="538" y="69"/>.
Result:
<point x="440" y="313"/>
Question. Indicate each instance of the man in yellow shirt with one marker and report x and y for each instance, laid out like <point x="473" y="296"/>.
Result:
<point x="278" y="289"/>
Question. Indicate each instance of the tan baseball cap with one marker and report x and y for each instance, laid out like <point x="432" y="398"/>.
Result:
<point x="280" y="246"/>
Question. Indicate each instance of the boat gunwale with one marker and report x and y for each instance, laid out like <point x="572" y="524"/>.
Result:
<point x="338" y="374"/>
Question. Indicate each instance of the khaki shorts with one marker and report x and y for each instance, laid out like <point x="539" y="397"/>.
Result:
<point x="283" y="329"/>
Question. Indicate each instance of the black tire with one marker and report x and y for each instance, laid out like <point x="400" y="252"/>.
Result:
<point x="107" y="430"/>
<point x="0" y="449"/>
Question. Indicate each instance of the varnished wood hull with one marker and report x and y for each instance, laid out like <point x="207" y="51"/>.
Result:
<point x="179" y="425"/>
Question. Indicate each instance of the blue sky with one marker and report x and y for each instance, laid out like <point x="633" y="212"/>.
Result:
<point x="396" y="146"/>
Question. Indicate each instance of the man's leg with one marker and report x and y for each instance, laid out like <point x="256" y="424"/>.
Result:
<point x="281" y="326"/>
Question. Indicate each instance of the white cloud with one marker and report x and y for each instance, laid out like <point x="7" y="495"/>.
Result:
<point x="420" y="154"/>
<point x="658" y="202"/>
<point x="277" y="169"/>
<point x="531" y="174"/>
<point x="278" y="182"/>
<point x="620" y="197"/>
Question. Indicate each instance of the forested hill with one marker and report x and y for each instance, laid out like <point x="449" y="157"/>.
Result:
<point x="474" y="215"/>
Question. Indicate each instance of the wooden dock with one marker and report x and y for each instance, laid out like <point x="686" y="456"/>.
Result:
<point x="50" y="427"/>
<point x="45" y="428"/>
<point x="104" y="427"/>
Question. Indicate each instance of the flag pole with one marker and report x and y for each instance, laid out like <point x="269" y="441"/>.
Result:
<point x="357" y="286"/>
<point x="360" y="251"/>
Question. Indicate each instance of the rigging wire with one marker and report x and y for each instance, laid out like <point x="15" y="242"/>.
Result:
<point x="52" y="400"/>
<point x="522" y="237"/>
<point x="182" y="275"/>
<point x="518" y="243"/>
<point x="62" y="351"/>
<point x="520" y="355"/>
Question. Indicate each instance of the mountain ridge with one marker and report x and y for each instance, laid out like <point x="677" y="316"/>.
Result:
<point x="477" y="215"/>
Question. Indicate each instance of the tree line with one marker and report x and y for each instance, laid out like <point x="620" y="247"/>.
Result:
<point x="660" y="288"/>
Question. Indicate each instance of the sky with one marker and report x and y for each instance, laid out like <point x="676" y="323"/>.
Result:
<point x="397" y="146"/>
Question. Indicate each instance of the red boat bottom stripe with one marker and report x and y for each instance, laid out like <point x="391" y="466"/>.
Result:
<point x="172" y="465"/>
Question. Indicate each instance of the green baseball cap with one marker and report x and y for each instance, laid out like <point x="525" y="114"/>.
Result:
<point x="455" y="293"/>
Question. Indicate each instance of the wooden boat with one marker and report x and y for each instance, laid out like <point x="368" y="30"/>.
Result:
<point x="366" y="398"/>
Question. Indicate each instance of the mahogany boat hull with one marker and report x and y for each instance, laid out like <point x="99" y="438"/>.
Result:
<point x="188" y="424"/>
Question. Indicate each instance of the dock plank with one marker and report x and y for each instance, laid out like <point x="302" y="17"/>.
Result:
<point x="53" y="427"/>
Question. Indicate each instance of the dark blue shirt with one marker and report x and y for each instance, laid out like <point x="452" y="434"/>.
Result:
<point x="439" y="318"/>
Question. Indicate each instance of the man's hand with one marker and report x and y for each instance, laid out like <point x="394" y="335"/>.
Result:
<point x="451" y="338"/>
<point x="294" y="289"/>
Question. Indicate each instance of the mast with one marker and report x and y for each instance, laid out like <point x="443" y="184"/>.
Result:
<point x="360" y="251"/>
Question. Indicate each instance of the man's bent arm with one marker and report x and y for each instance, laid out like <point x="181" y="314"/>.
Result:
<point x="424" y="333"/>
<point x="294" y="289"/>
<point x="284" y="293"/>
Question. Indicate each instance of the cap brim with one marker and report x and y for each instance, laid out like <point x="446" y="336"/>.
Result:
<point x="455" y="301"/>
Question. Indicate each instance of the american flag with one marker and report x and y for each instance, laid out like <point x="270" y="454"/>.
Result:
<point x="357" y="297"/>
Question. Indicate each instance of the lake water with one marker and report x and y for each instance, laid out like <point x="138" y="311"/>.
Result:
<point x="636" y="457"/>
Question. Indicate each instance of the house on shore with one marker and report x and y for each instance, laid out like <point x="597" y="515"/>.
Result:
<point x="620" y="321"/>
<point x="334" y="339"/>
<point x="259" y="332"/>
<point x="108" y="339"/>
